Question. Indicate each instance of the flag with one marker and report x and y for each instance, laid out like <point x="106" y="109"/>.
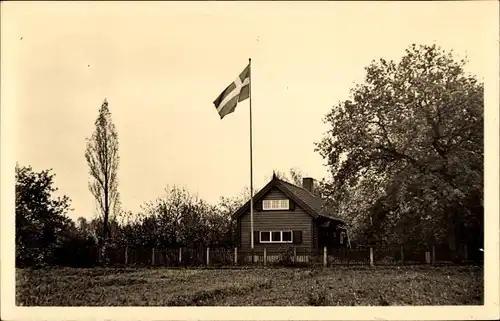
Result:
<point x="237" y="91"/>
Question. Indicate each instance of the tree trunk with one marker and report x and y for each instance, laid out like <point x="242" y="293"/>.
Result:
<point x="105" y="223"/>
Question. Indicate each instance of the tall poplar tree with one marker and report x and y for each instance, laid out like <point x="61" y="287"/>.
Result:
<point x="103" y="160"/>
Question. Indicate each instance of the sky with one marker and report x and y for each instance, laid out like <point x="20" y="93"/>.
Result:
<point x="162" y="64"/>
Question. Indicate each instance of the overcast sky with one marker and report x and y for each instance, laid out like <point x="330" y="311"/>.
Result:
<point x="161" y="65"/>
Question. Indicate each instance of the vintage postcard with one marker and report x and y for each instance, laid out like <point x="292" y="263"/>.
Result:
<point x="250" y="160"/>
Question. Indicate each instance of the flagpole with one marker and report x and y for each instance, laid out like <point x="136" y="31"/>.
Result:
<point x="251" y="157"/>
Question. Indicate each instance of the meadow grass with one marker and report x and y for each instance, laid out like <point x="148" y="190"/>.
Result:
<point x="335" y="286"/>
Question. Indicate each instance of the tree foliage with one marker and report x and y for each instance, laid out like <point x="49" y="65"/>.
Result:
<point x="42" y="226"/>
<point x="179" y="219"/>
<point x="175" y="219"/>
<point x="102" y="158"/>
<point x="294" y="176"/>
<point x="406" y="152"/>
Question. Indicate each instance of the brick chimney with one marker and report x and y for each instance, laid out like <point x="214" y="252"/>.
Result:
<point x="308" y="184"/>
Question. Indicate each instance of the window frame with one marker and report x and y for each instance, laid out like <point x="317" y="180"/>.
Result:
<point x="291" y="236"/>
<point x="260" y="236"/>
<point x="281" y="236"/>
<point x="276" y="205"/>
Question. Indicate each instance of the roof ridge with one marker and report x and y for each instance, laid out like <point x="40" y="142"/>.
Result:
<point x="323" y="204"/>
<point x="302" y="188"/>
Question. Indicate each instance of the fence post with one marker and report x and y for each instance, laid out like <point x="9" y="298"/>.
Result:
<point x="180" y="255"/>
<point x="427" y="257"/>
<point x="126" y="255"/>
<point x="402" y="255"/>
<point x="433" y="254"/>
<point x="235" y="255"/>
<point x="265" y="256"/>
<point x="325" y="261"/>
<point x="371" y="256"/>
<point x="208" y="256"/>
<point x="295" y="255"/>
<point x="153" y="257"/>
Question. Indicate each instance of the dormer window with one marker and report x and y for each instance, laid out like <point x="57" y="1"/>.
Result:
<point x="275" y="205"/>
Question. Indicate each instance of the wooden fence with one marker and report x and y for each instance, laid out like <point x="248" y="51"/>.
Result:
<point x="293" y="256"/>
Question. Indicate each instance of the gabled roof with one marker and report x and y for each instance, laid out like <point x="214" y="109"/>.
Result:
<point x="312" y="204"/>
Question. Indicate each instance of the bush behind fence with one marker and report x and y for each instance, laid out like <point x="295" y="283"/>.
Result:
<point x="284" y="256"/>
<point x="289" y="256"/>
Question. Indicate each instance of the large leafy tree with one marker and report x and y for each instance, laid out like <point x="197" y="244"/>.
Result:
<point x="41" y="222"/>
<point x="102" y="157"/>
<point x="406" y="152"/>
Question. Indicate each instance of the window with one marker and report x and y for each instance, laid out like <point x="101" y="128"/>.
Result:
<point x="269" y="205"/>
<point x="276" y="237"/>
<point x="286" y="236"/>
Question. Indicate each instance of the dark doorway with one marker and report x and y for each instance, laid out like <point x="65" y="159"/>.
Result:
<point x="331" y="236"/>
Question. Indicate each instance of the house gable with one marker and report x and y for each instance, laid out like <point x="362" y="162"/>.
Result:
<point x="275" y="185"/>
<point x="275" y="200"/>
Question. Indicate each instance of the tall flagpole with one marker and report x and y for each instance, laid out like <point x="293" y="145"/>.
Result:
<point x="251" y="158"/>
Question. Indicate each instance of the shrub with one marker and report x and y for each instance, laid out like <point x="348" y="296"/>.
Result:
<point x="77" y="252"/>
<point x="286" y="256"/>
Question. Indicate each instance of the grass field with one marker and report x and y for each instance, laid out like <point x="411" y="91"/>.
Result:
<point x="337" y="286"/>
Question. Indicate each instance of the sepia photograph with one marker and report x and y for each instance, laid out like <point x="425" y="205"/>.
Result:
<point x="282" y="155"/>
